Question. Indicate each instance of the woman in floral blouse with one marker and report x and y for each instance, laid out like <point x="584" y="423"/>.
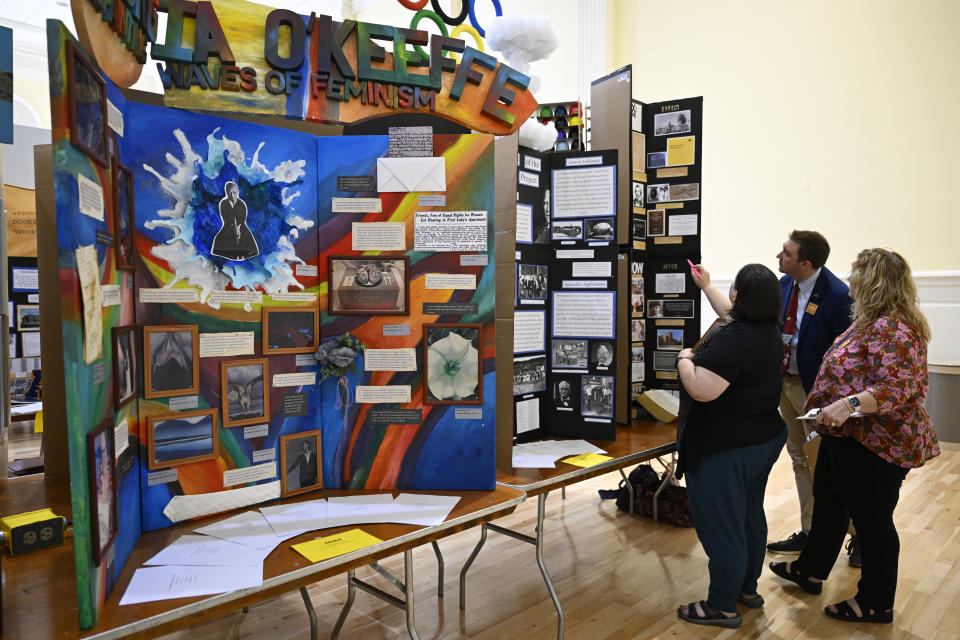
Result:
<point x="871" y="388"/>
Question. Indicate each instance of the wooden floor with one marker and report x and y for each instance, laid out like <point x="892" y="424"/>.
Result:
<point x="620" y="577"/>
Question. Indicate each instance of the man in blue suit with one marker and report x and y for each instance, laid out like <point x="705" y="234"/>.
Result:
<point x="816" y="309"/>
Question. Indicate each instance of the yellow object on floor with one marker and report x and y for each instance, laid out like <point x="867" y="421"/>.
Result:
<point x="38" y="422"/>
<point x="335" y="545"/>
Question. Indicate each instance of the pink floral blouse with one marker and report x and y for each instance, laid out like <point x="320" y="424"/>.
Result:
<point x="889" y="360"/>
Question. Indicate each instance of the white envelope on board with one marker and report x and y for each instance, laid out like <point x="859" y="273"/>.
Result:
<point x="411" y="174"/>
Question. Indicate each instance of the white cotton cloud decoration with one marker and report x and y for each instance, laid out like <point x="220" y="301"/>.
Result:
<point x="522" y="40"/>
<point x="538" y="136"/>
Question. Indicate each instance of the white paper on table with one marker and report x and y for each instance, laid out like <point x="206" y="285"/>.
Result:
<point x="203" y="504"/>
<point x="411" y="174"/>
<point x="249" y="528"/>
<point x="428" y="509"/>
<point x="165" y="583"/>
<point x="360" y="509"/>
<point x="292" y="519"/>
<point x="199" y="551"/>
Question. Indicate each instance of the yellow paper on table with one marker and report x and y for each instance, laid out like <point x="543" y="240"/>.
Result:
<point x="586" y="459"/>
<point x="335" y="545"/>
<point x="680" y="150"/>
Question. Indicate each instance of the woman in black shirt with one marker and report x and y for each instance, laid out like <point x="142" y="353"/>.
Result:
<point x="730" y="438"/>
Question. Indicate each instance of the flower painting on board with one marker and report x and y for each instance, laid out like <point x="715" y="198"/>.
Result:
<point x="452" y="371"/>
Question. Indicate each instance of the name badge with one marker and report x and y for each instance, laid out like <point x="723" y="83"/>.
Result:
<point x="811" y="308"/>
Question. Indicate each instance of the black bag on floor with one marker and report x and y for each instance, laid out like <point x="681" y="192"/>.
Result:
<point x="673" y="506"/>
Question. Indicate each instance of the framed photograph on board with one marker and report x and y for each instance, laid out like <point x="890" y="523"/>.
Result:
<point x="172" y="362"/>
<point x="244" y="393"/>
<point x="28" y="317"/>
<point x="104" y="521"/>
<point x="300" y="469"/>
<point x="183" y="437"/>
<point x="88" y="106"/>
<point x="123" y="216"/>
<point x="290" y="330"/>
<point x="451" y="364"/>
<point x="125" y="365"/>
<point x="360" y="286"/>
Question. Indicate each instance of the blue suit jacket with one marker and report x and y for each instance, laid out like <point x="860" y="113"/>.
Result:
<point x="826" y="316"/>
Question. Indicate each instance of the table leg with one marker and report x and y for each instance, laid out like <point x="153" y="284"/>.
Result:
<point x="630" y="492"/>
<point x="463" y="572"/>
<point x="310" y="612"/>
<point x="408" y="593"/>
<point x="541" y="509"/>
<point x="663" y="485"/>
<point x="436" y="550"/>
<point x="563" y="492"/>
<point x="351" y="594"/>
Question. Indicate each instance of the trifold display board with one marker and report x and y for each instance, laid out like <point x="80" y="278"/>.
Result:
<point x="251" y="312"/>
<point x="565" y="331"/>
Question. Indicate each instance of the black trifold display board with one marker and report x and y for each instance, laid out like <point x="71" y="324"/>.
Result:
<point x="666" y="145"/>
<point x="565" y="301"/>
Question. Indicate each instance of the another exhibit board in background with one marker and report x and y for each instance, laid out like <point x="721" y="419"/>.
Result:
<point x="21" y="208"/>
<point x="565" y="337"/>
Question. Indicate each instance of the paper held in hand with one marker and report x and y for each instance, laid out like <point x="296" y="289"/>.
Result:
<point x="813" y="413"/>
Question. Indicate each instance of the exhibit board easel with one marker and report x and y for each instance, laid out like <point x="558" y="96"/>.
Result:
<point x="660" y="145"/>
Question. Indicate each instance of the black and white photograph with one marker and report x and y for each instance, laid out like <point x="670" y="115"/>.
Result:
<point x="667" y="124"/>
<point x="171" y="360"/>
<point x="638" y="330"/>
<point x="88" y="106"/>
<point x="28" y="317"/>
<point x="657" y="159"/>
<point x="638" y="195"/>
<point x="689" y="191"/>
<point x="598" y="229"/>
<point x="234" y="241"/>
<point x="290" y="329"/>
<point x="529" y="374"/>
<point x="125" y="365"/>
<point x="656" y="224"/>
<point x="596" y="396"/>
<point x="361" y="286"/>
<point x="532" y="282"/>
<point x="658" y="193"/>
<point x="601" y="355"/>
<point x="245" y="393"/>
<point x="175" y="439"/>
<point x="452" y="364"/>
<point x="654" y="309"/>
<point x="665" y="360"/>
<point x="670" y="339"/>
<point x="569" y="354"/>
<point x="636" y="295"/>
<point x="636" y="353"/>
<point x="639" y="228"/>
<point x="567" y="230"/>
<point x="300" y="466"/>
<point x="564" y="397"/>
<point x="636" y="116"/>
<point x="104" y="519"/>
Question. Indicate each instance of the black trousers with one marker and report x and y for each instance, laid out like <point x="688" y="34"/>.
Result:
<point x="850" y="481"/>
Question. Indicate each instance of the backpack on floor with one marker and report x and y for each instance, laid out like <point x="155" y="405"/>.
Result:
<point x="673" y="505"/>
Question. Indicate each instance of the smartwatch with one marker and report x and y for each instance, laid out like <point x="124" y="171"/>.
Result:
<point x="854" y="402"/>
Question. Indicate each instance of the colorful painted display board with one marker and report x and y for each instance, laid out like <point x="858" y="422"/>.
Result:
<point x="252" y="312"/>
<point x="565" y="320"/>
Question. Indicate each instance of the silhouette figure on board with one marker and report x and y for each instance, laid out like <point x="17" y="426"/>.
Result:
<point x="234" y="241"/>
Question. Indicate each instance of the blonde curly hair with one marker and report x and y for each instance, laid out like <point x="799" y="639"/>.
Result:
<point x="881" y="285"/>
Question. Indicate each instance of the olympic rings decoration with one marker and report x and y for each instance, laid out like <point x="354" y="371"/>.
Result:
<point x="413" y="6"/>
<point x="465" y="28"/>
<point x="435" y="19"/>
<point x="453" y="22"/>
<point x="473" y="17"/>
